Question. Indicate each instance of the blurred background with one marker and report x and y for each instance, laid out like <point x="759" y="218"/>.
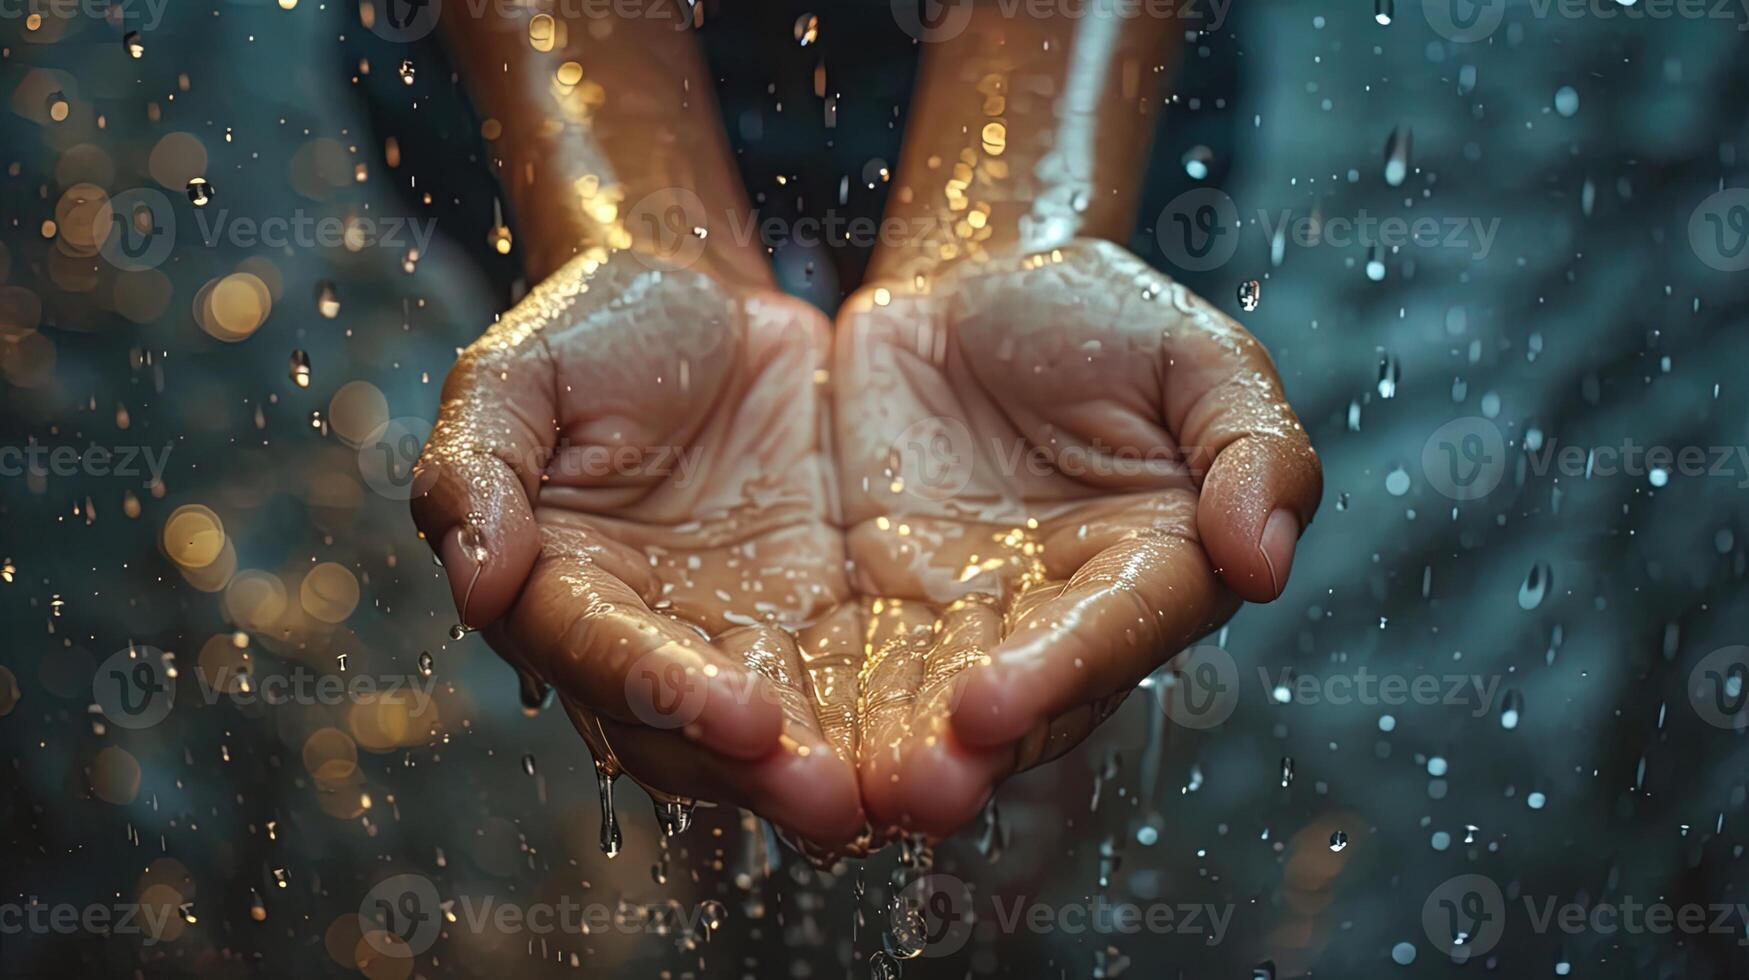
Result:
<point x="1495" y="725"/>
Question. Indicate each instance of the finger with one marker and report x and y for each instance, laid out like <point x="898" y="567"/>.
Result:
<point x="1261" y="480"/>
<point x="772" y="654"/>
<point x="922" y="779"/>
<point x="832" y="653"/>
<point x="481" y="468"/>
<point x="591" y="636"/>
<point x="802" y="788"/>
<point x="1119" y="617"/>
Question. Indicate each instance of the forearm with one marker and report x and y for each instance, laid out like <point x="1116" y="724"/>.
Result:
<point x="605" y="138"/>
<point x="1024" y="133"/>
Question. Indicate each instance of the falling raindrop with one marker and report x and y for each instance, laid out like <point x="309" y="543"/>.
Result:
<point x="1390" y="372"/>
<point x="528" y="763"/>
<point x="200" y="193"/>
<point x="994" y="839"/>
<point x="1199" y="162"/>
<point x="674" y="816"/>
<point x="1511" y="708"/>
<point x="1375" y="264"/>
<point x="407" y="72"/>
<point x="425" y="663"/>
<point x="300" y="368"/>
<point x="327" y="299"/>
<point x="133" y="45"/>
<point x="610" y="836"/>
<point x="1339" y="840"/>
<point x="882" y="967"/>
<point x="1397" y="150"/>
<point x="1250" y="294"/>
<point x="458" y="631"/>
<point x="1567" y="101"/>
<point x="1287" y="771"/>
<point x="1536" y="586"/>
<point x="807" y="29"/>
<point x="1110" y="859"/>
<point x="1384" y="10"/>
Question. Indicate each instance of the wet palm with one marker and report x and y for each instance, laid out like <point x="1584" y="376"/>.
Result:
<point x="627" y="486"/>
<point x="1055" y="471"/>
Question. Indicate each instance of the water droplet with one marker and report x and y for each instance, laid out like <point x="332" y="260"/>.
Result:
<point x="425" y="663"/>
<point x="1397" y="150"/>
<point x="327" y="299"/>
<point x="200" y="193"/>
<point x="1375" y="264"/>
<point x="882" y="967"/>
<point x="528" y="763"/>
<point x="994" y="840"/>
<point x="133" y="45"/>
<point x="674" y="816"/>
<point x="610" y="836"/>
<point x="1110" y="859"/>
<point x="1511" y="709"/>
<point x="1287" y="771"/>
<point x="58" y="106"/>
<point x="1567" y="101"/>
<point x="1339" y="840"/>
<point x="1536" y="586"/>
<point x="1384" y="10"/>
<point x="1199" y="161"/>
<point x="458" y="631"/>
<point x="300" y="368"/>
<point x="1250" y="294"/>
<point x="407" y="72"/>
<point x="1390" y="372"/>
<point x="807" y="29"/>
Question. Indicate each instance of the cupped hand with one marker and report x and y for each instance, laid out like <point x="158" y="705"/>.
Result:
<point x="1056" y="470"/>
<point x="629" y="492"/>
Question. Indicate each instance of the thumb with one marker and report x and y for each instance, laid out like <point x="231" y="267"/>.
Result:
<point x="1261" y="479"/>
<point x="481" y="470"/>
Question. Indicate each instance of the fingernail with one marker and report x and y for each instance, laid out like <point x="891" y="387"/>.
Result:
<point x="1280" y="534"/>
